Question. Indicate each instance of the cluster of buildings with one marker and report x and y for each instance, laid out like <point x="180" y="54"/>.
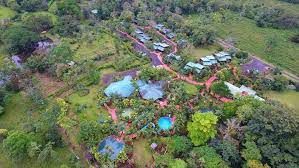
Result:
<point x="165" y="31"/>
<point x="141" y="36"/>
<point x="125" y="88"/>
<point x="209" y="61"/>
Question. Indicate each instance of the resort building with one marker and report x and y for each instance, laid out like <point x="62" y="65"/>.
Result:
<point x="165" y="31"/>
<point x="196" y="66"/>
<point x="223" y="56"/>
<point x="142" y="36"/>
<point x="159" y="27"/>
<point x="95" y="11"/>
<point x="242" y="91"/>
<point x="138" y="31"/>
<point x="123" y="88"/>
<point x="170" y="35"/>
<point x="151" y="91"/>
<point x="174" y="57"/>
<point x="111" y="147"/>
<point x="208" y="60"/>
<point x="160" y="46"/>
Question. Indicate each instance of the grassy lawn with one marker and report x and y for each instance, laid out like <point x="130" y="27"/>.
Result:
<point x="62" y="154"/>
<point x="13" y="118"/>
<point x="15" y="112"/>
<point x="142" y="155"/>
<point x="6" y="13"/>
<point x="270" y="44"/>
<point x="92" y="44"/>
<point x="289" y="98"/>
<point x="43" y="13"/>
<point x="203" y="51"/>
<point x="190" y="89"/>
<point x="1" y="60"/>
<point x="92" y="111"/>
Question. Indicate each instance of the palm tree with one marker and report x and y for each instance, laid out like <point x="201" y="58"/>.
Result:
<point x="231" y="131"/>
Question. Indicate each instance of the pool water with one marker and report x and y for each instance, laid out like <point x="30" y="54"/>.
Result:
<point x="165" y="123"/>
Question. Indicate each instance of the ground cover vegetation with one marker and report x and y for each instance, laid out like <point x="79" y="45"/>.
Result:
<point x="78" y="88"/>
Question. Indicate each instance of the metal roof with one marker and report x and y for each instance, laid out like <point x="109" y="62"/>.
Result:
<point x="205" y="59"/>
<point x="123" y="88"/>
<point x="235" y="91"/>
<point x="164" y="45"/>
<point x="151" y="91"/>
<point x="210" y="57"/>
<point x="138" y="31"/>
<point x="196" y="66"/>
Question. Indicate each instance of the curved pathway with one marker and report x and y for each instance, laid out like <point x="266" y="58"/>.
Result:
<point x="157" y="59"/>
<point x="112" y="112"/>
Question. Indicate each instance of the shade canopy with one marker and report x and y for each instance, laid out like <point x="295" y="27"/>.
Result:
<point x="123" y="88"/>
<point x="151" y="91"/>
<point x="111" y="147"/>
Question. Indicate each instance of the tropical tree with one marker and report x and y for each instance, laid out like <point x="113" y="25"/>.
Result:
<point x="68" y="7"/>
<point x="230" y="153"/>
<point x="209" y="157"/>
<point x="16" y="144"/>
<point x="47" y="154"/>
<point x="202" y="127"/>
<point x="231" y="131"/>
<point x="60" y="54"/>
<point x="181" y="145"/>
<point x="89" y="133"/>
<point x="178" y="163"/>
<point x="275" y="129"/>
<point x="3" y="133"/>
<point x="220" y="88"/>
<point x="251" y="151"/>
<point x="33" y="5"/>
<point x="63" y="119"/>
<point x="1" y="110"/>
<point x="38" y="22"/>
<point x="19" y="39"/>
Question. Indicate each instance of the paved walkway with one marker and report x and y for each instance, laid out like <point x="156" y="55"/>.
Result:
<point x="112" y="112"/>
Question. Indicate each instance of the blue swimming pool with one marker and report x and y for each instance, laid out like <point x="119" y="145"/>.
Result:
<point x="165" y="123"/>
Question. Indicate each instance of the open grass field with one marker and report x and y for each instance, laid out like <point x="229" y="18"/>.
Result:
<point x="6" y="13"/>
<point x="203" y="51"/>
<point x="141" y="153"/>
<point x="42" y="13"/>
<point x="92" y="111"/>
<point x="289" y="98"/>
<point x="190" y="89"/>
<point x="290" y="7"/>
<point x="92" y="44"/>
<point x="15" y="112"/>
<point x="270" y="44"/>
